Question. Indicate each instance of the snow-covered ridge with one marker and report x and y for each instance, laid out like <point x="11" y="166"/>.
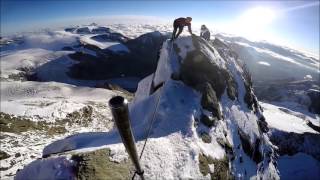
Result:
<point x="36" y="113"/>
<point x="270" y="62"/>
<point x="228" y="134"/>
<point x="186" y="111"/>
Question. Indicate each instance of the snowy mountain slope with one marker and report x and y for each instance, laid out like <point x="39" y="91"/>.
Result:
<point x="41" y="112"/>
<point x="176" y="146"/>
<point x="294" y="136"/>
<point x="263" y="58"/>
<point x="280" y="75"/>
<point x="289" y="121"/>
<point x="49" y="54"/>
<point x="296" y="95"/>
<point x="40" y="65"/>
<point x="78" y="59"/>
<point x="139" y="62"/>
<point x="288" y="104"/>
<point x="40" y="103"/>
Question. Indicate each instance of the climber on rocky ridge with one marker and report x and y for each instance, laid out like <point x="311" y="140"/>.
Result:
<point x="179" y="24"/>
<point x="205" y="33"/>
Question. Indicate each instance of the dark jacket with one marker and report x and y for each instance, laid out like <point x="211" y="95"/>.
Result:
<point x="181" y="22"/>
<point x="205" y="33"/>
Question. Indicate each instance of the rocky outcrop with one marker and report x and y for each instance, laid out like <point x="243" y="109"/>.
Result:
<point x="217" y="168"/>
<point x="290" y="143"/>
<point x="139" y="62"/>
<point x="97" y="165"/>
<point x="209" y="101"/>
<point x="200" y="122"/>
<point x="314" y="96"/>
<point x="197" y="69"/>
<point x="107" y="37"/>
<point x="212" y="79"/>
<point x="83" y="30"/>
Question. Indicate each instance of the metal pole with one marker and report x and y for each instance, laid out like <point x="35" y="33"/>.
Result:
<point x="120" y="113"/>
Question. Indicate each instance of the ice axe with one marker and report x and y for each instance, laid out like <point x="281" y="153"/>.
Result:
<point x="120" y="113"/>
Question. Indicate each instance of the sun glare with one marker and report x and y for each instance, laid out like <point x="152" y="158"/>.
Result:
<point x="254" y="22"/>
<point x="257" y="17"/>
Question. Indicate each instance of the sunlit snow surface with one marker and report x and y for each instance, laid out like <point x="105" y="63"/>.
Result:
<point x="289" y="122"/>
<point x="114" y="46"/>
<point x="173" y="153"/>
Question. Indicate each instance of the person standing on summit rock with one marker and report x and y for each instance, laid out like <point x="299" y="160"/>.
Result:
<point x="205" y="33"/>
<point x="179" y="24"/>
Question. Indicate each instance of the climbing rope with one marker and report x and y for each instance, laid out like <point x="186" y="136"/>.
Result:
<point x="153" y="116"/>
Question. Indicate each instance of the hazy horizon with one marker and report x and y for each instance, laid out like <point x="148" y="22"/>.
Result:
<point x="291" y="23"/>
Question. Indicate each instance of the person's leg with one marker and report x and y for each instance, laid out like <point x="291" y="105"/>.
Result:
<point x="174" y="33"/>
<point x="175" y="27"/>
<point x="179" y="32"/>
<point x="206" y="36"/>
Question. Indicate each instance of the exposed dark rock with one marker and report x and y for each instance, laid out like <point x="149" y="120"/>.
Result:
<point x="139" y="62"/>
<point x="232" y="88"/>
<point x="227" y="147"/>
<point x="209" y="101"/>
<point x="224" y="144"/>
<point x="204" y="162"/>
<point x="252" y="150"/>
<point x="221" y="167"/>
<point x="290" y="143"/>
<point x="97" y="165"/>
<point x="80" y="56"/>
<point x="155" y="88"/>
<point x="110" y="37"/>
<point x="250" y="98"/>
<point x="256" y="105"/>
<point x="197" y="69"/>
<point x="17" y="124"/>
<point x="13" y="124"/>
<point x="84" y="30"/>
<point x="315" y="101"/>
<point x="314" y="127"/>
<point x="205" y="137"/>
<point x="263" y="125"/>
<point x="82" y="117"/>
<point x="26" y="74"/>
<point x="208" y="121"/>
<point x="257" y="155"/>
<point x="4" y="155"/>
<point x="17" y="155"/>
<point x="100" y="30"/>
<point x="94" y="48"/>
<point x="21" y="76"/>
<point x="146" y="47"/>
<point x="70" y="29"/>
<point x="224" y="51"/>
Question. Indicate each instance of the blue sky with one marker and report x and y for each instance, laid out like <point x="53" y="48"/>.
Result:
<point x="294" y="23"/>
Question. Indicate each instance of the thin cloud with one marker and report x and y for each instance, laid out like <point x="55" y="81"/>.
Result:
<point x="302" y="6"/>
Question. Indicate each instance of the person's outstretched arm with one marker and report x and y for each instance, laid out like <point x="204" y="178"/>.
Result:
<point x="189" y="28"/>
